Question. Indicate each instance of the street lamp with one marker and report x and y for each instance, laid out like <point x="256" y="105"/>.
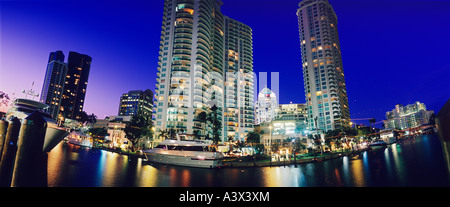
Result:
<point x="270" y="140"/>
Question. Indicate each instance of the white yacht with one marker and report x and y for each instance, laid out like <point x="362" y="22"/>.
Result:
<point x="22" y="108"/>
<point x="79" y="138"/>
<point x="190" y="153"/>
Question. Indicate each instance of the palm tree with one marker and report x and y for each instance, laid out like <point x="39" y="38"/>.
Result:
<point x="372" y="121"/>
<point x="197" y="134"/>
<point x="98" y="133"/>
<point x="136" y="129"/>
<point x="82" y="117"/>
<point x="91" y="119"/>
<point x="338" y="143"/>
<point x="213" y="118"/>
<point x="253" y="138"/>
<point x="230" y="138"/>
<point x="202" y="117"/>
<point x="164" y="134"/>
<point x="4" y="98"/>
<point x="172" y="133"/>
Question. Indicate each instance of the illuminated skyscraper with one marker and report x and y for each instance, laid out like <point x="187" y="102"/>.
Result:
<point x="75" y="86"/>
<point x="238" y="113"/>
<point x="196" y="48"/>
<point x="55" y="77"/>
<point x="323" y="73"/>
<point x="136" y="102"/>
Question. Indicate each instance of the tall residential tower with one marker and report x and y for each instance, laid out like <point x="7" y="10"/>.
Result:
<point x="238" y="113"/>
<point x="200" y="48"/>
<point x="323" y="73"/>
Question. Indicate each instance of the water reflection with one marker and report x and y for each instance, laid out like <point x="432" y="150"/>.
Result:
<point x="418" y="162"/>
<point x="446" y="151"/>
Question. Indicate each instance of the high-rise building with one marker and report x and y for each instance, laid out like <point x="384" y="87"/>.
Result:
<point x="55" y="76"/>
<point x="136" y="102"/>
<point x="196" y="48"/>
<point x="323" y="73"/>
<point x="266" y="107"/>
<point x="238" y="113"/>
<point x="75" y="85"/>
<point x="409" y="116"/>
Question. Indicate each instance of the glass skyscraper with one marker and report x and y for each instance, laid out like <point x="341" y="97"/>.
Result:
<point x="136" y="102"/>
<point x="75" y="86"/>
<point x="323" y="73"/>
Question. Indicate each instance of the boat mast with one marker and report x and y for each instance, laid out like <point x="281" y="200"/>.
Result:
<point x="30" y="92"/>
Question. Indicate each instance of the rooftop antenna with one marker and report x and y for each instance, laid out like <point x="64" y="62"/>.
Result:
<point x="30" y="92"/>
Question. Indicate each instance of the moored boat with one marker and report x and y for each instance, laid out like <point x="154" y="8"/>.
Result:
<point x="190" y="153"/>
<point x="376" y="145"/>
<point x="22" y="108"/>
<point x="79" y="138"/>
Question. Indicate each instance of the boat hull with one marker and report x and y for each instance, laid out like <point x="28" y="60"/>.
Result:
<point x="378" y="145"/>
<point x="197" y="161"/>
<point x="79" y="138"/>
<point x="22" y="108"/>
<point x="53" y="136"/>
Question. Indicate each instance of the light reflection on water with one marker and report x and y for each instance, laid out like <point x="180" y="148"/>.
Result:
<point x="416" y="162"/>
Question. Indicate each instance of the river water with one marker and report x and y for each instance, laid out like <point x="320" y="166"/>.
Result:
<point x="417" y="162"/>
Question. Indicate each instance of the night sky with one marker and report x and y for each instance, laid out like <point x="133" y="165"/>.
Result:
<point x="394" y="52"/>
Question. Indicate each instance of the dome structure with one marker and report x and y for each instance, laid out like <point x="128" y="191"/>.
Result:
<point x="266" y="106"/>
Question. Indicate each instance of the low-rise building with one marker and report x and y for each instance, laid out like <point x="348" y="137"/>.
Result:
<point x="117" y="135"/>
<point x="136" y="102"/>
<point x="290" y="123"/>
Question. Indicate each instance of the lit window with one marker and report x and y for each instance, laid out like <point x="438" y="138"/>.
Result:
<point x="180" y="6"/>
<point x="190" y="11"/>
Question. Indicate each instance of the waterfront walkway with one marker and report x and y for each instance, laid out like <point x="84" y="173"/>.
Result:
<point x="239" y="162"/>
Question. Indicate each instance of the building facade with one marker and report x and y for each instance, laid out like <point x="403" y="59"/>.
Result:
<point x="409" y="116"/>
<point x="238" y="104"/>
<point x="136" y="102"/>
<point x="266" y="107"/>
<point x="53" y="88"/>
<point x="193" y="67"/>
<point x="292" y="119"/>
<point x="323" y="73"/>
<point x="75" y="87"/>
<point x="290" y="123"/>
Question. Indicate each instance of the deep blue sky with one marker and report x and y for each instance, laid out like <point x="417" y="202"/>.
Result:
<point x="393" y="51"/>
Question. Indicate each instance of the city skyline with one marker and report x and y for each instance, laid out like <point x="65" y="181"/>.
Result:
<point x="123" y="45"/>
